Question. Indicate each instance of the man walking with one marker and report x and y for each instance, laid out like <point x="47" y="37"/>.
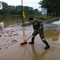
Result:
<point x="38" y="29"/>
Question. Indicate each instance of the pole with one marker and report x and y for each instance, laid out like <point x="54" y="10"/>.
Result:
<point x="22" y="2"/>
<point x="23" y="20"/>
<point x="22" y="11"/>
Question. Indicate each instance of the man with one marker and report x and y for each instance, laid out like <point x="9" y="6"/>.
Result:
<point x="38" y="29"/>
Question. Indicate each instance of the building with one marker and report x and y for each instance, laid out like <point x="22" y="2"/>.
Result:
<point x="44" y="11"/>
<point x="1" y="6"/>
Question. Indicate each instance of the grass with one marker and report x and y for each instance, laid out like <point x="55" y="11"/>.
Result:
<point x="44" y="18"/>
<point x="9" y="20"/>
<point x="0" y="27"/>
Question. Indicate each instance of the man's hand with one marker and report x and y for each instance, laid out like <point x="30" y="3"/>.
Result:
<point x="34" y="33"/>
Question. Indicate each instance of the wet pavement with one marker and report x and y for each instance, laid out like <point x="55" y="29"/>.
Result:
<point x="51" y="26"/>
<point x="12" y="50"/>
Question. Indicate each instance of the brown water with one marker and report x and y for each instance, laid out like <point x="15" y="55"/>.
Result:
<point x="52" y="34"/>
<point x="29" y="52"/>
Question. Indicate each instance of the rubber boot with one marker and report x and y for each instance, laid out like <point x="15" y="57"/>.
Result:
<point x="47" y="45"/>
<point x="32" y="41"/>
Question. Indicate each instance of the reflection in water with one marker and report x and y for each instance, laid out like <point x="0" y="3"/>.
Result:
<point x="36" y="55"/>
<point x="30" y="53"/>
<point x="24" y="35"/>
<point x="52" y="34"/>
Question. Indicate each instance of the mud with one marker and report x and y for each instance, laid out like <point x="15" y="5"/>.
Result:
<point x="10" y="48"/>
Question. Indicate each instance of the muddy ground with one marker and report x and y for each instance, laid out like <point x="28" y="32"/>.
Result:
<point x="10" y="48"/>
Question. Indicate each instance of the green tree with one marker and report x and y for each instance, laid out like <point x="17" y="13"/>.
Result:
<point x="5" y="9"/>
<point x="17" y="11"/>
<point x="53" y="6"/>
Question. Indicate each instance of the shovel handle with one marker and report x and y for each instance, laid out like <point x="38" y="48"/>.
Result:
<point x="28" y="38"/>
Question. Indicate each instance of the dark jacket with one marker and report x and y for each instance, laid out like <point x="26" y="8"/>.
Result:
<point x="37" y="25"/>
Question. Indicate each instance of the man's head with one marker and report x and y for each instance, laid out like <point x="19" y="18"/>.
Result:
<point x="31" y="20"/>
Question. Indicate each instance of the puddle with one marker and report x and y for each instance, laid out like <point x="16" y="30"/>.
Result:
<point x="52" y="34"/>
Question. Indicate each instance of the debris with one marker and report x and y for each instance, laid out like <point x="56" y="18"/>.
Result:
<point x="0" y="48"/>
<point x="15" y="34"/>
<point x="14" y="41"/>
<point x="0" y="35"/>
<point x="10" y="35"/>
